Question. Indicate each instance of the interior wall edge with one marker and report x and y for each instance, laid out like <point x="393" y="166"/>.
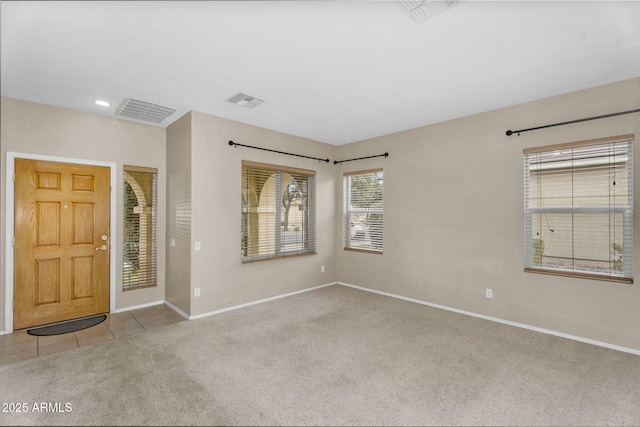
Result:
<point x="177" y="310"/>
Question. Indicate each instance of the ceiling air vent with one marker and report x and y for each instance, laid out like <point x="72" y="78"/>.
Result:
<point x="244" y="100"/>
<point x="144" y="111"/>
<point x="421" y="10"/>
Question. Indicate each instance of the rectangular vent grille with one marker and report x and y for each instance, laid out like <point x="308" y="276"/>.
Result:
<point x="420" y="11"/>
<point x="144" y="111"/>
<point x="244" y="100"/>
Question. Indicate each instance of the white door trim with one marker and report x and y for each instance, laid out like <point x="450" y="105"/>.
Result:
<point x="9" y="206"/>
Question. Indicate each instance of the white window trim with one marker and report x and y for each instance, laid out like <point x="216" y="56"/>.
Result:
<point x="626" y="210"/>
<point x="347" y="212"/>
<point x="311" y="211"/>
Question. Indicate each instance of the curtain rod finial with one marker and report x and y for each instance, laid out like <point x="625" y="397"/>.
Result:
<point x="509" y="132"/>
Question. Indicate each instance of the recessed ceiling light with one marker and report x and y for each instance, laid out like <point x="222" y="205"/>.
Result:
<point x="101" y="103"/>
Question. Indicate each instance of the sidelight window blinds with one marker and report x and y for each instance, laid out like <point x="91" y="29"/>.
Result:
<point x="363" y="211"/>
<point x="140" y="227"/>
<point x="278" y="211"/>
<point x="578" y="209"/>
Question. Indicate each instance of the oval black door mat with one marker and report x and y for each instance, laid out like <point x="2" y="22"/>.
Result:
<point x="67" y="327"/>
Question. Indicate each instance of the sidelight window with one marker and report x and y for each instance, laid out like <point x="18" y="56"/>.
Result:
<point x="140" y="228"/>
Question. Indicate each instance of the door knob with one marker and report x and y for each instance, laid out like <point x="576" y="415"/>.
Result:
<point x="102" y="248"/>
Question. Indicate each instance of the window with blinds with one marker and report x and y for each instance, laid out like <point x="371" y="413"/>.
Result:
<point x="278" y="211"/>
<point x="140" y="228"/>
<point x="363" y="211"/>
<point x="578" y="209"/>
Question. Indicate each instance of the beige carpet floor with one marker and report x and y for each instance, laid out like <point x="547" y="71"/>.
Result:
<point x="333" y="356"/>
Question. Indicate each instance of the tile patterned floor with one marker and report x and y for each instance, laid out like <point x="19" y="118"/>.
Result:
<point x="22" y="346"/>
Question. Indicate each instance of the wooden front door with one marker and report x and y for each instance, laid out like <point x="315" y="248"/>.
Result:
<point x="62" y="247"/>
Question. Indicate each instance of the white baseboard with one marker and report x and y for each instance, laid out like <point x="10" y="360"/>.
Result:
<point x="135" y="307"/>
<point x="498" y="320"/>
<point x="235" y="307"/>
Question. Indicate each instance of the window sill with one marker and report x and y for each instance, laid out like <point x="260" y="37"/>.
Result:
<point x="367" y="251"/>
<point x="600" y="277"/>
<point x="134" y="288"/>
<point x="271" y="257"/>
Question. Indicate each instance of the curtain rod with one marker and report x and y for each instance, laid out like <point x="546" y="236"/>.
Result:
<point x="511" y="132"/>
<point x="279" y="152"/>
<point x="335" y="162"/>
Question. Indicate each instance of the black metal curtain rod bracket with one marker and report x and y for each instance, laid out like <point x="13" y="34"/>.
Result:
<point x="279" y="152"/>
<point x="604" y="116"/>
<point x="335" y="162"/>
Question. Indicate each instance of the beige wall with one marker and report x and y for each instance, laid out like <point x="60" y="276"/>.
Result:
<point x="216" y="214"/>
<point x="453" y="209"/>
<point x="453" y="217"/>
<point x="38" y="129"/>
<point x="179" y="201"/>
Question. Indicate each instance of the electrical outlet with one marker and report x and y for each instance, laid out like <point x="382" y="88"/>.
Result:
<point x="489" y="293"/>
<point x="173" y="243"/>
<point x="197" y="246"/>
<point x="196" y="292"/>
<point x="322" y="269"/>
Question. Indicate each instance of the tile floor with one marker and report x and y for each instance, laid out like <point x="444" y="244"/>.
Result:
<point x="22" y="346"/>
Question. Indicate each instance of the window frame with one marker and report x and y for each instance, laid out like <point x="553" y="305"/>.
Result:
<point x="626" y="210"/>
<point x="251" y="206"/>
<point x="348" y="210"/>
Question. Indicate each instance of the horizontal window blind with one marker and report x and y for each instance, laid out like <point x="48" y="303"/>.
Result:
<point x="140" y="227"/>
<point x="578" y="209"/>
<point x="278" y="211"/>
<point x="363" y="210"/>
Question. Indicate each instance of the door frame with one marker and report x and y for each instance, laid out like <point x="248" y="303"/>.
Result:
<point x="9" y="227"/>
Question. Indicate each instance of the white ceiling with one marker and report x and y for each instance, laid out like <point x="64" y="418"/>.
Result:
<point x="332" y="71"/>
